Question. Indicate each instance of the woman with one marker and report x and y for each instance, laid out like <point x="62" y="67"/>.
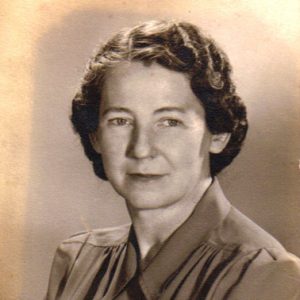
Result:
<point x="159" y="117"/>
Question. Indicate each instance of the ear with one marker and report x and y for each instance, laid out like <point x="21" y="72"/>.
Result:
<point x="94" y="139"/>
<point x="219" y="142"/>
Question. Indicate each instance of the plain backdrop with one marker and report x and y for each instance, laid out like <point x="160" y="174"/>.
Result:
<point x="63" y="196"/>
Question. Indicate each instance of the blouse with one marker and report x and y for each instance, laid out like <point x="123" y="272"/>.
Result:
<point x="217" y="253"/>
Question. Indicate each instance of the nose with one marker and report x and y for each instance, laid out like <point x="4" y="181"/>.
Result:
<point x="141" y="143"/>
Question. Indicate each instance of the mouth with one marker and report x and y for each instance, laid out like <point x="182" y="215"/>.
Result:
<point x="145" y="177"/>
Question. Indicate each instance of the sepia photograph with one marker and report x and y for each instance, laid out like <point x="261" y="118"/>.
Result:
<point x="150" y="150"/>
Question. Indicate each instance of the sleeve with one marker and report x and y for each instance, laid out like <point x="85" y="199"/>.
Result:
<point x="63" y="261"/>
<point x="269" y="277"/>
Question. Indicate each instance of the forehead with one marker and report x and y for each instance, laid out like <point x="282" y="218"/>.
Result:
<point x="135" y="85"/>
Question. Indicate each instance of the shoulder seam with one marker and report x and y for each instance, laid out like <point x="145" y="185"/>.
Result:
<point x="92" y="244"/>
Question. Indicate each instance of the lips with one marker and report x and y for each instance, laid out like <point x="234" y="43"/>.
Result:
<point x="145" y="177"/>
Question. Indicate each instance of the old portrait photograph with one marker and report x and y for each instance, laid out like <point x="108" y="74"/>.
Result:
<point x="151" y="150"/>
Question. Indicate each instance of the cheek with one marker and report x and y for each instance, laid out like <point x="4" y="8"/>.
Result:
<point x="113" y="151"/>
<point x="113" y="143"/>
<point x="183" y="145"/>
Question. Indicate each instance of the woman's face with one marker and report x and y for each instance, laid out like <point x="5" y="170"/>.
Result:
<point x="152" y="136"/>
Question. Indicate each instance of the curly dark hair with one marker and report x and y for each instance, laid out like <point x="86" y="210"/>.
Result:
<point x="178" y="46"/>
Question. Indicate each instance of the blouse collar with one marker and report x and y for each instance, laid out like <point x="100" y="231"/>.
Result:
<point x="208" y="214"/>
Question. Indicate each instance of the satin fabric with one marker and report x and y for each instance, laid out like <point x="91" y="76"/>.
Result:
<point x="218" y="253"/>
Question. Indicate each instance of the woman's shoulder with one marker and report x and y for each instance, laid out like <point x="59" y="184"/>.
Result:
<point x="238" y="229"/>
<point x="95" y="242"/>
<point x="104" y="237"/>
<point x="81" y="248"/>
<point x="266" y="276"/>
<point x="263" y="267"/>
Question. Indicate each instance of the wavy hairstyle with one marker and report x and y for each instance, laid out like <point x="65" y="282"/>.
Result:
<point x="178" y="46"/>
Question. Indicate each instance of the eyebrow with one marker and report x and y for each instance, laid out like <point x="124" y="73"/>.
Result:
<point x="170" y="109"/>
<point x="116" y="109"/>
<point x="158" y="111"/>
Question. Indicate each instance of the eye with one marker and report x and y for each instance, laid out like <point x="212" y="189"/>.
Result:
<point x="170" y="123"/>
<point x="120" y="122"/>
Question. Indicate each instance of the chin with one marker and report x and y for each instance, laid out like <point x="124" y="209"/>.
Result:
<point x="147" y="200"/>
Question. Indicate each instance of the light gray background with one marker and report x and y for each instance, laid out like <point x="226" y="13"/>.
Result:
<point x="65" y="197"/>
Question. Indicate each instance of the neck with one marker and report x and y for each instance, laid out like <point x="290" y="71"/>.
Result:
<point x="154" y="226"/>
